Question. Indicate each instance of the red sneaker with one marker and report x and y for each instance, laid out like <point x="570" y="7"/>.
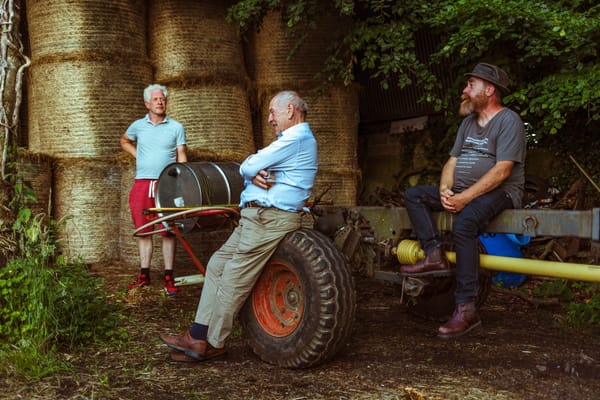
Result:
<point x="142" y="280"/>
<point x="170" y="288"/>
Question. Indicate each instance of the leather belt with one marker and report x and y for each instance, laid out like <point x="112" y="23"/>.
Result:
<point x="252" y="204"/>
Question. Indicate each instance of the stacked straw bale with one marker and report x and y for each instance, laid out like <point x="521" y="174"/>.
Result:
<point x="215" y="117"/>
<point x="81" y="108"/>
<point x="191" y="41"/>
<point x="268" y="50"/>
<point x="199" y="57"/>
<point x="333" y="116"/>
<point x="86" y="197"/>
<point x="89" y="68"/>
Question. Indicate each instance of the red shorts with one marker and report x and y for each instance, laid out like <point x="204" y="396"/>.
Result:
<point x="141" y="198"/>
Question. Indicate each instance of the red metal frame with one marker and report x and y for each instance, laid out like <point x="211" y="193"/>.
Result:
<point x="175" y="214"/>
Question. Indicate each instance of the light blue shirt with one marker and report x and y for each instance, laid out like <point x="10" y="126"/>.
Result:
<point x="292" y="159"/>
<point x="156" y="145"/>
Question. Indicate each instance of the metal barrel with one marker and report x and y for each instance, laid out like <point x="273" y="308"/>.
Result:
<point x="196" y="184"/>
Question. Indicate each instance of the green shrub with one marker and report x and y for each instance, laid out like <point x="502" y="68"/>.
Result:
<point x="580" y="300"/>
<point x="47" y="303"/>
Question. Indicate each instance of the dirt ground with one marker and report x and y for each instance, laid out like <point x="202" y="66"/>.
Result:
<point x="522" y="352"/>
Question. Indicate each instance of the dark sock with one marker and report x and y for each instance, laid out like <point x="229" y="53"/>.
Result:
<point x="145" y="271"/>
<point x="199" y="331"/>
<point x="168" y="272"/>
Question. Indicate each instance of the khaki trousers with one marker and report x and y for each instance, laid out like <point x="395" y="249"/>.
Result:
<point x="233" y="270"/>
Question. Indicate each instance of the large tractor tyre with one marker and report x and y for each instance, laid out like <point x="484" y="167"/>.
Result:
<point x="436" y="302"/>
<point x="302" y="309"/>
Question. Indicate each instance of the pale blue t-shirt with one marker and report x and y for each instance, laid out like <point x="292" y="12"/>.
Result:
<point x="156" y="145"/>
<point x="292" y="160"/>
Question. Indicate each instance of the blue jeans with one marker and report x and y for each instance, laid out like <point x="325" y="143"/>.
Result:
<point x="468" y="224"/>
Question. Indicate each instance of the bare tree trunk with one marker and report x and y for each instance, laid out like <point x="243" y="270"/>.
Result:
<point x="13" y="63"/>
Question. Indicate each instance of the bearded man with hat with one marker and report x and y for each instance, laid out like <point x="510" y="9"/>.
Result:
<point x="484" y="175"/>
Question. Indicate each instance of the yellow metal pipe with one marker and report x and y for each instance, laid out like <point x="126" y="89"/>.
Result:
<point x="410" y="252"/>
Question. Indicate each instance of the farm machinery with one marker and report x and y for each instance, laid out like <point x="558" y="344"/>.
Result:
<point x="302" y="309"/>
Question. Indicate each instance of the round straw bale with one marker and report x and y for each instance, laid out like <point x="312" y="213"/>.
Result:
<point x="86" y="197"/>
<point x="215" y="117"/>
<point x="104" y="29"/>
<point x="333" y="117"/>
<point x="36" y="170"/>
<point x="276" y="59"/>
<point x="191" y="40"/>
<point x="81" y="108"/>
<point x="337" y="186"/>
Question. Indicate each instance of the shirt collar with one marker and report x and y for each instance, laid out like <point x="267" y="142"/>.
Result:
<point x="164" y="121"/>
<point x="293" y="129"/>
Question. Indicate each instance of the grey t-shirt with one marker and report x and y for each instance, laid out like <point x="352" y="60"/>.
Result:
<point x="478" y="149"/>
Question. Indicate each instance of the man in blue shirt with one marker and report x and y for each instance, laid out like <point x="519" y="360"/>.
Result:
<point x="278" y="180"/>
<point x="154" y="141"/>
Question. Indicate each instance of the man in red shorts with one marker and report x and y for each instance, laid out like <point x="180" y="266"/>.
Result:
<point x="155" y="141"/>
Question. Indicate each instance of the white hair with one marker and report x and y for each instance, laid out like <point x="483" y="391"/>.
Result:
<point x="291" y="97"/>
<point x="153" y="87"/>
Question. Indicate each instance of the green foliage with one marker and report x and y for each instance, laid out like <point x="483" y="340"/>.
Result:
<point x="558" y="288"/>
<point x="549" y="49"/>
<point x="585" y="313"/>
<point x="48" y="304"/>
<point x="580" y="300"/>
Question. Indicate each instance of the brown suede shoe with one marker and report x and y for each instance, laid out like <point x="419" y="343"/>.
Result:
<point x="464" y="320"/>
<point x="188" y="346"/>
<point x="180" y="356"/>
<point x="185" y="343"/>
<point x="434" y="264"/>
<point x="211" y="352"/>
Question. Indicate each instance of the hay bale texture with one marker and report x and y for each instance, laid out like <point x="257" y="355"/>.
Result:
<point x="81" y="108"/>
<point x="272" y="65"/>
<point x="86" y="195"/>
<point x="338" y="186"/>
<point x="76" y="29"/>
<point x="198" y="55"/>
<point x="216" y="117"/>
<point x="89" y="67"/>
<point x="191" y="41"/>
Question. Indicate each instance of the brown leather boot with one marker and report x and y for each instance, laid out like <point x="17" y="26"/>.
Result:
<point x="465" y="319"/>
<point x="434" y="264"/>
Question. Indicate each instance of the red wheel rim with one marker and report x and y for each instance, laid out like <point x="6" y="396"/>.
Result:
<point x="277" y="300"/>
